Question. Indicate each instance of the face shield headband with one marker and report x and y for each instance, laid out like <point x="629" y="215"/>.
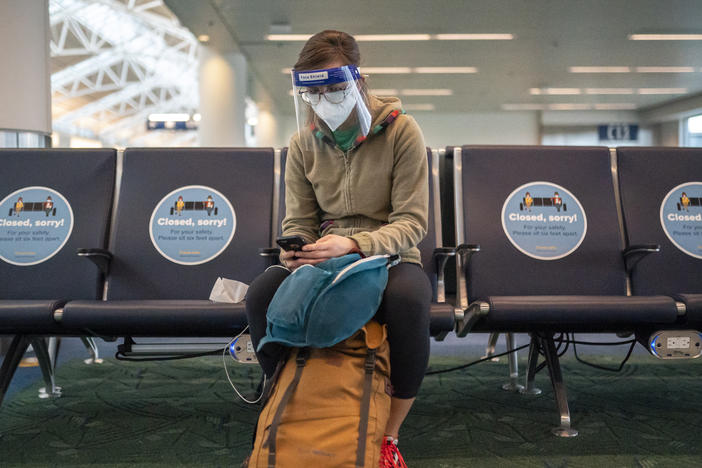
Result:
<point x="332" y="95"/>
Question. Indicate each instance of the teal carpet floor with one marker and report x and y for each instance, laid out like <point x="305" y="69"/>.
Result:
<point x="184" y="413"/>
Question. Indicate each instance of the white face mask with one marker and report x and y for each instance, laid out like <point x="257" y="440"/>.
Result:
<point x="334" y="114"/>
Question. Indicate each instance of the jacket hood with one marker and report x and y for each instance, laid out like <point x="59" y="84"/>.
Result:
<point x="381" y="107"/>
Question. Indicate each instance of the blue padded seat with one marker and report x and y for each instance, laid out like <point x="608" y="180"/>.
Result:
<point x="142" y="281"/>
<point x="646" y="176"/>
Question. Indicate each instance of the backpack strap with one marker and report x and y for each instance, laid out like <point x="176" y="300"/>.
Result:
<point x="267" y="390"/>
<point x="270" y="383"/>
<point x="369" y="367"/>
<point x="301" y="359"/>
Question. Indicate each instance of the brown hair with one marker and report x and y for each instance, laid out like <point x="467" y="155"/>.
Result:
<point x="327" y="46"/>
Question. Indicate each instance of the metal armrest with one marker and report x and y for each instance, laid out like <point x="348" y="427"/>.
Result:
<point x="635" y="253"/>
<point x="269" y="252"/>
<point x="467" y="249"/>
<point x="272" y="253"/>
<point x="465" y="252"/>
<point x="100" y="257"/>
<point x="441" y="256"/>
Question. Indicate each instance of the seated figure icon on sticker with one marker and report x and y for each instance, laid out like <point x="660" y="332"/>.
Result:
<point x="528" y="201"/>
<point x="180" y="204"/>
<point x="557" y="201"/>
<point x="209" y="205"/>
<point x="48" y="206"/>
<point x="19" y="205"/>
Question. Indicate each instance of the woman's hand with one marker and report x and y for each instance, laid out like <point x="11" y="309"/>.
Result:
<point x="327" y="247"/>
<point x="293" y="259"/>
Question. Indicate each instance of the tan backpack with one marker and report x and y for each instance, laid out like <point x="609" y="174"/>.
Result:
<point x="328" y="407"/>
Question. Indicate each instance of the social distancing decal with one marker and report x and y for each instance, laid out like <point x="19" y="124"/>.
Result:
<point x="544" y="220"/>
<point x="681" y="217"/>
<point x="192" y="225"/>
<point x="35" y="224"/>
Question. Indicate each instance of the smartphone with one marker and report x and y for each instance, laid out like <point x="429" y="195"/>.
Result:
<point x="291" y="242"/>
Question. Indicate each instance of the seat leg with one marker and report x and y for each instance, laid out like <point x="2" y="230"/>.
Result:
<point x="441" y="336"/>
<point x="89" y="343"/>
<point x="53" y="348"/>
<point x="17" y="348"/>
<point x="513" y="384"/>
<point x="559" y="390"/>
<point x="47" y="369"/>
<point x="490" y="348"/>
<point x="530" y="388"/>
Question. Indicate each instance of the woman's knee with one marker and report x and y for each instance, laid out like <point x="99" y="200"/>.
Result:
<point x="263" y="287"/>
<point x="407" y="298"/>
<point x="409" y="287"/>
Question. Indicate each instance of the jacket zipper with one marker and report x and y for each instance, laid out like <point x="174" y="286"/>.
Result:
<point x="347" y="181"/>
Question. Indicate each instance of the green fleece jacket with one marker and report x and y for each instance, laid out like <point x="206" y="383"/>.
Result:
<point x="376" y="193"/>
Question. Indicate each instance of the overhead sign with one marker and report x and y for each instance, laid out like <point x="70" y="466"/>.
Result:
<point x="544" y="220"/>
<point x="170" y="125"/>
<point x="618" y="132"/>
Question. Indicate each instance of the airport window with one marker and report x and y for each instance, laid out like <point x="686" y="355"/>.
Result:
<point x="693" y="131"/>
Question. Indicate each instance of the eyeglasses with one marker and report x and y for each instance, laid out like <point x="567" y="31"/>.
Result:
<point x="333" y="94"/>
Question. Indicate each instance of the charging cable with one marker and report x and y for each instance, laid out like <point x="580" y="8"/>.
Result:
<point x="226" y="371"/>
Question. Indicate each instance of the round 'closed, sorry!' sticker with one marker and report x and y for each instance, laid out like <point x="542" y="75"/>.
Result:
<point x="544" y="220"/>
<point x="35" y="224"/>
<point x="192" y="225"/>
<point x="681" y="217"/>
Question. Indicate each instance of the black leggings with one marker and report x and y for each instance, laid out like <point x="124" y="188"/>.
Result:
<point x="405" y="309"/>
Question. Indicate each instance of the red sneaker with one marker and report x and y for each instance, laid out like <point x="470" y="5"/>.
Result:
<point x="390" y="455"/>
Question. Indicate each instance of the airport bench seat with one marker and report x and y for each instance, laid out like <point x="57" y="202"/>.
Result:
<point x="575" y="314"/>
<point x="652" y="182"/>
<point x="66" y="194"/>
<point x="442" y="319"/>
<point x="693" y="306"/>
<point x="693" y="302"/>
<point x="29" y="317"/>
<point x="154" y="318"/>
<point x="525" y="266"/>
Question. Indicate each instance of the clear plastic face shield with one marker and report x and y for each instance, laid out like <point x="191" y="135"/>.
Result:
<point x="332" y="97"/>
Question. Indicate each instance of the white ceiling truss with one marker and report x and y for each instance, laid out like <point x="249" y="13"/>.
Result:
<point x="116" y="62"/>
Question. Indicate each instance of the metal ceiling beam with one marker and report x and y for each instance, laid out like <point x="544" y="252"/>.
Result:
<point x="155" y="69"/>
